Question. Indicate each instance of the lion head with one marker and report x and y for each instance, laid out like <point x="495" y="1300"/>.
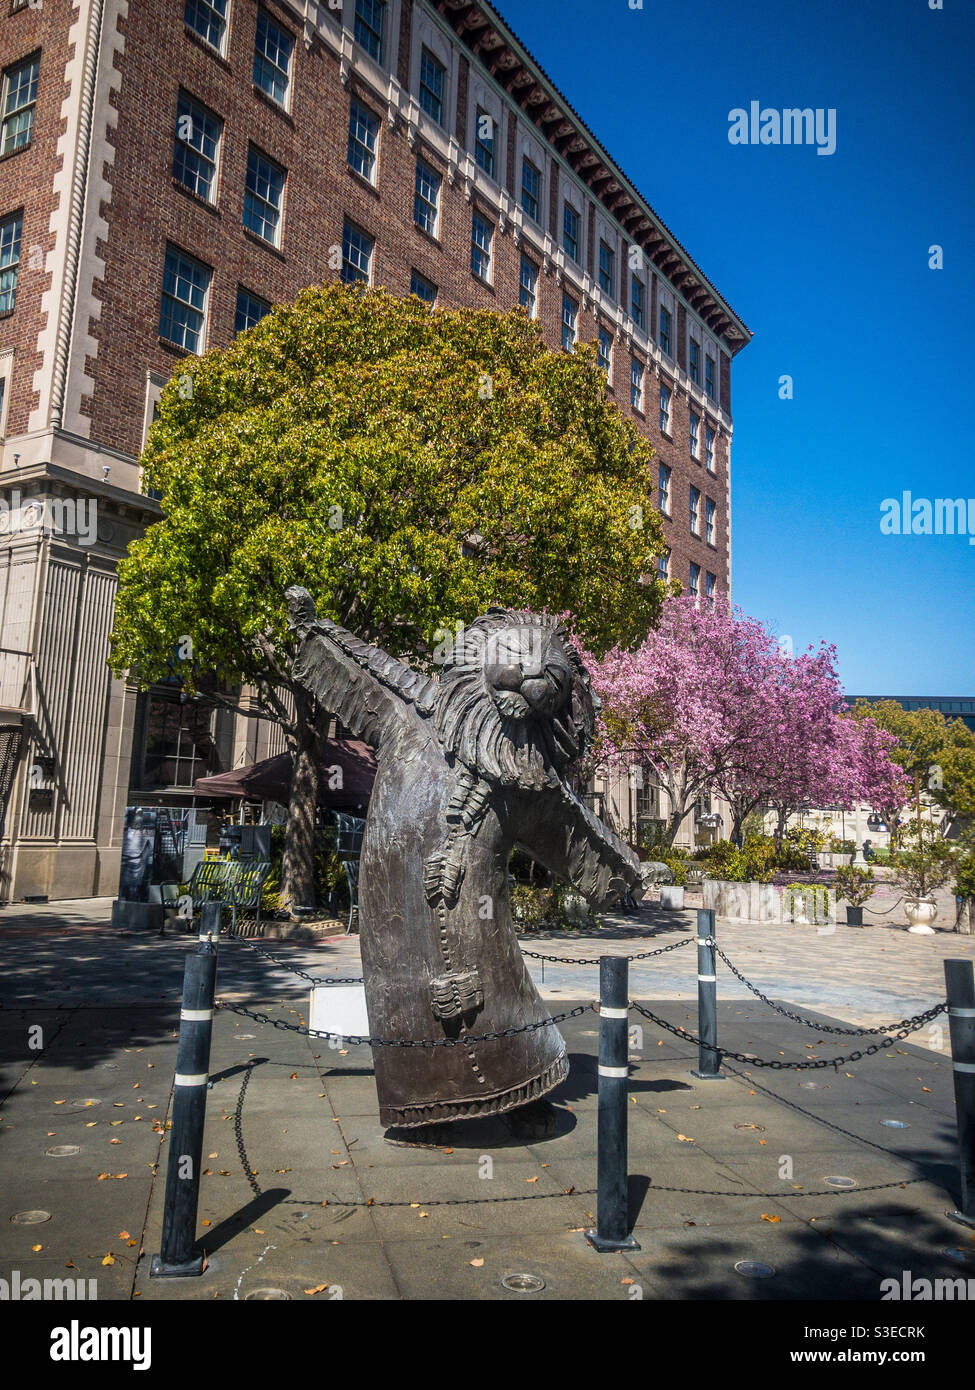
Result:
<point x="514" y="700"/>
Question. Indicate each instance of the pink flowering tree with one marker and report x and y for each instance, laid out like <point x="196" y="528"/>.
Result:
<point x="690" y="703"/>
<point x="710" y="701"/>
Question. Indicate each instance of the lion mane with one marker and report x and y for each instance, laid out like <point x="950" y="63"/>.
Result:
<point x="531" y="751"/>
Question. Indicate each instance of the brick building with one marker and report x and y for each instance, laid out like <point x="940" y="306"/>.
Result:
<point x="171" y="168"/>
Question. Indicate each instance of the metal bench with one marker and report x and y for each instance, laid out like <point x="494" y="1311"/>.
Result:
<point x="245" y="889"/>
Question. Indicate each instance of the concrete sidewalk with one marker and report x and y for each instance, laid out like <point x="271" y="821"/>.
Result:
<point x="301" y="1192"/>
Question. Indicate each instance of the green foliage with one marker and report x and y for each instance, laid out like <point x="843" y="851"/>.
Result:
<point x="677" y="864"/>
<point x="964" y="886"/>
<point x="838" y="846"/>
<point x="803" y="839"/>
<point x="534" y="906"/>
<point x="923" y="863"/>
<point x="408" y="467"/>
<point x="726" y="862"/>
<point x="940" y="752"/>
<point x="854" y="885"/>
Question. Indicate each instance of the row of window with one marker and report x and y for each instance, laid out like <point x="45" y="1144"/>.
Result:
<point x="694" y="575"/>
<point x="274" y="45"/>
<point x="710" y="512"/>
<point x="185" y="302"/>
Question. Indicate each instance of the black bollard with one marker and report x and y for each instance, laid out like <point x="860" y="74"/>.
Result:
<point x="612" y="1219"/>
<point x="960" y="990"/>
<point x="709" y="1058"/>
<point x="176" y="1258"/>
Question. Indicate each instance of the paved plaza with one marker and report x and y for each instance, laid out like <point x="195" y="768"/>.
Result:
<point x="302" y="1196"/>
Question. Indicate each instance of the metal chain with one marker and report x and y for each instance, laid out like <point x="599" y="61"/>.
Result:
<point x="594" y="960"/>
<point x="296" y="970"/>
<point x="823" y="1027"/>
<point x="400" y="1042"/>
<point x="817" y="1064"/>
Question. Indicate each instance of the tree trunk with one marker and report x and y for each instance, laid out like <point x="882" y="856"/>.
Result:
<point x="675" y="821"/>
<point x="782" y="815"/>
<point x="298" y="867"/>
<point x="965" y="917"/>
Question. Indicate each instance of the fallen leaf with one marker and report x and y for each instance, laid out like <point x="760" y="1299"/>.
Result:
<point x="531" y="1179"/>
<point x="109" y="1259"/>
<point x="319" y="1288"/>
<point x="773" y="1219"/>
<point x="35" y="1248"/>
<point x="293" y="1076"/>
<point x="476" y="1263"/>
<point x="124" y="1235"/>
<point x="626" y="1281"/>
<point x="685" y="1139"/>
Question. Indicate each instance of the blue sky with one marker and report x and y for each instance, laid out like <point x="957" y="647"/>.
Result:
<point x="825" y="257"/>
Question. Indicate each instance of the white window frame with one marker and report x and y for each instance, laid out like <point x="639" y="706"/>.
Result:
<point x="573" y="325"/>
<point x="220" y="48"/>
<point x="710" y="521"/>
<point x="204" y="312"/>
<point x="488" y="250"/>
<point x="381" y="60"/>
<point x="349" y="225"/>
<point x="638" y="374"/>
<point x="666" y="408"/>
<point x="6" y="377"/>
<point x="187" y="97"/>
<point x="604" y="338"/>
<point x="694" y="510"/>
<point x="288" y="72"/>
<point x="278" y="208"/>
<point x="418" y="275"/>
<point x="665" y="477"/>
<point x="530" y="290"/>
<point x="372" y="177"/>
<point x="709" y="454"/>
<point x="435" y="179"/>
<point x="694" y="434"/>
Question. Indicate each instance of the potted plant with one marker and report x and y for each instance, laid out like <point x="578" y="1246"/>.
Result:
<point x="922" y="865"/>
<point x="855" y="886"/>
<point x="672" y="896"/>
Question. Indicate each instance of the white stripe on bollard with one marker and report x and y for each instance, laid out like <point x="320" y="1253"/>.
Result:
<point x="614" y="1071"/>
<point x="709" y="979"/>
<point x="605" y="1012"/>
<point x="196" y="1015"/>
<point x="964" y="1066"/>
<point x="962" y="1013"/>
<point x="197" y="1079"/>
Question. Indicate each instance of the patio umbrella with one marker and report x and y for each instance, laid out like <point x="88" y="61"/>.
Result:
<point x="270" y="779"/>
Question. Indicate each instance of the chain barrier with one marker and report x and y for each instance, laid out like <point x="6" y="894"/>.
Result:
<point x="811" y="1064"/>
<point x="643" y="955"/>
<point x="354" y="1041"/>
<point x="886" y="1029"/>
<point x="296" y="970"/>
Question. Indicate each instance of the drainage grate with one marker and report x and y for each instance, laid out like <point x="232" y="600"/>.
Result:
<point x="30" y="1218"/>
<point x="754" y="1269"/>
<point x="523" y="1283"/>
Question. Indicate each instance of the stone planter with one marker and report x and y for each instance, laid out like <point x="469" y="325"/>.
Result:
<point x="672" y="897"/>
<point x="742" y="902"/>
<point x="830" y="860"/>
<point x="921" y="912"/>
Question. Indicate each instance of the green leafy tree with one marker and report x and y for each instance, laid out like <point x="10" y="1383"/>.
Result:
<point x="937" y="753"/>
<point x="408" y="468"/>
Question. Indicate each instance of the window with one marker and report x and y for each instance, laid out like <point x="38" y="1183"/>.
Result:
<point x="695" y="580"/>
<point x="666" y="324"/>
<point x="250" y="310"/>
<point x="423" y="288"/>
<point x="606" y="352"/>
<point x="528" y="287"/>
<point x="570" y="232"/>
<point x="709" y="448"/>
<point x="357" y="248"/>
<point x="607" y="270"/>
<point x="208" y="18"/>
<point x="664" y="477"/>
<point x="370" y="18"/>
<point x="482" y="237"/>
<point x="484" y="141"/>
<point x="665" y="409"/>
<point x="694" y="362"/>
<point x="432" y="74"/>
<point x="11" y="229"/>
<point x="709" y="386"/>
<point x="179" y="743"/>
<point x="272" y="58"/>
<point x="426" y="199"/>
<point x="570" y="316"/>
<point x="263" y="197"/>
<point x="638" y="301"/>
<point x="197" y="150"/>
<point x="695" y="511"/>
<point x="709" y="522"/>
<point x="18" y="102"/>
<point x="636" y="384"/>
<point x="363" y="134"/>
<point x="663" y="566"/>
<point x="531" y="182"/>
<point x="695" y="434"/>
<point x="186" y="292"/>
<point x="710" y="587"/>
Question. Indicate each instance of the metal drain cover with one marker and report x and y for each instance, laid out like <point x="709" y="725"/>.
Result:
<point x="813" y="1086"/>
<point x="895" y="1124"/>
<point x="30" y="1218"/>
<point x="523" y="1283"/>
<point x="268" y="1293"/>
<point x="63" y="1151"/>
<point x="840" y="1182"/>
<point x="754" y="1269"/>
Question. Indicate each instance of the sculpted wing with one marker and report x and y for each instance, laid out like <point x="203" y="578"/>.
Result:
<point x="362" y="686"/>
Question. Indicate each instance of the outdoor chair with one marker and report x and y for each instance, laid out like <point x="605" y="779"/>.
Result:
<point x="351" y="867"/>
<point x="245" y="889"/>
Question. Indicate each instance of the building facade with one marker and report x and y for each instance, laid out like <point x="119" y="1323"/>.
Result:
<point x="169" y="170"/>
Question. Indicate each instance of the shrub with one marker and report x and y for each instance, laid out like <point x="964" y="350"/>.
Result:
<point x="838" y="846"/>
<point x="854" y="885"/>
<point x="923" y="864"/>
